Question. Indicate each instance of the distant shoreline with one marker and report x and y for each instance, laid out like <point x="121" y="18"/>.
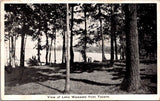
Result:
<point x="89" y="49"/>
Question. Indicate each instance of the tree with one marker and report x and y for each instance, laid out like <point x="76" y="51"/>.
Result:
<point x="38" y="16"/>
<point x="52" y="36"/>
<point x="101" y="13"/>
<point x="63" y="49"/>
<point x="86" y="8"/>
<point x="67" y="82"/>
<point x="22" y="57"/>
<point x="115" y="34"/>
<point x="64" y="38"/>
<point x="26" y="25"/>
<point x="23" y="14"/>
<point x="112" y="34"/>
<point x="42" y="18"/>
<point x="131" y="80"/>
<point x="85" y="32"/>
<point x="122" y="47"/>
<point x="116" y="15"/>
<point x="11" y="26"/>
<point x="47" y="48"/>
<point x="101" y="32"/>
<point x="71" y="41"/>
<point x="48" y="21"/>
<point x="147" y="30"/>
<point x="52" y="17"/>
<point x="119" y="32"/>
<point x="11" y="34"/>
<point x="59" y="21"/>
<point x="55" y="48"/>
<point x="63" y="33"/>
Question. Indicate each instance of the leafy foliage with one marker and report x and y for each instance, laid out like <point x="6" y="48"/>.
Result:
<point x="33" y="61"/>
<point x="147" y="27"/>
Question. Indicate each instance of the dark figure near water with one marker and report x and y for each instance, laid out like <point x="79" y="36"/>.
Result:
<point x="89" y="59"/>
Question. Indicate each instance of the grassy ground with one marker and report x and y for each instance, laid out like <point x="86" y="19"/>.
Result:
<point x="93" y="78"/>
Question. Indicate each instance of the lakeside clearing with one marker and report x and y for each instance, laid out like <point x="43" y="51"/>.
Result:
<point x="90" y="78"/>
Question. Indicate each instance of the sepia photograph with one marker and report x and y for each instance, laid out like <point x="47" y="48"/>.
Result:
<point x="79" y="50"/>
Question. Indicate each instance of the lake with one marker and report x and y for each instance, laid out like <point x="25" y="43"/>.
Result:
<point x="33" y="52"/>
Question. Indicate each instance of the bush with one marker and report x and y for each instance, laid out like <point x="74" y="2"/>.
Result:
<point x="8" y="69"/>
<point x="32" y="61"/>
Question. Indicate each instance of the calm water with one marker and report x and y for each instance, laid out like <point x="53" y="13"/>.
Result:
<point x="31" y="51"/>
<point x="77" y="55"/>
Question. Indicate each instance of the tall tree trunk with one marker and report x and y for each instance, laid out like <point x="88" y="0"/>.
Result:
<point x="55" y="48"/>
<point x="63" y="53"/>
<point x="10" y="51"/>
<point x="122" y="48"/>
<point x="85" y="38"/>
<point x="131" y="80"/>
<point x="22" y="56"/>
<point x="71" y="41"/>
<point x="38" y="49"/>
<point x="115" y="42"/>
<point x="13" y="51"/>
<point x="47" y="48"/>
<point x="50" y="53"/>
<point x="112" y="36"/>
<point x="101" y="32"/>
<point x="67" y="82"/>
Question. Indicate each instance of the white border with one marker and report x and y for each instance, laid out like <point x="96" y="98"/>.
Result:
<point x="111" y="97"/>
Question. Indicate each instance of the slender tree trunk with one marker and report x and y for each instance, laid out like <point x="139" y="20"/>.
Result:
<point x="55" y="48"/>
<point x="85" y="37"/>
<point x="63" y="53"/>
<point x="101" y="32"/>
<point x="112" y="36"/>
<point x="67" y="82"/>
<point x="71" y="41"/>
<point x="50" y="53"/>
<point x="13" y="51"/>
<point x="38" y="50"/>
<point x="131" y="81"/>
<point x="121" y="53"/>
<point x="122" y="48"/>
<point x="115" y="42"/>
<point x="10" y="51"/>
<point x="22" y="57"/>
<point x="47" y="48"/>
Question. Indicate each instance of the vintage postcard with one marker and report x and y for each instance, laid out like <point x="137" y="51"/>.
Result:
<point x="80" y="50"/>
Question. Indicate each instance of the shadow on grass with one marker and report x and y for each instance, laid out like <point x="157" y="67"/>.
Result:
<point x="49" y="87"/>
<point x="29" y="75"/>
<point x="151" y="77"/>
<point x="89" y="67"/>
<point x="148" y="61"/>
<point x="57" y="72"/>
<point x="79" y="80"/>
<point x="118" y="71"/>
<point x="93" y="82"/>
